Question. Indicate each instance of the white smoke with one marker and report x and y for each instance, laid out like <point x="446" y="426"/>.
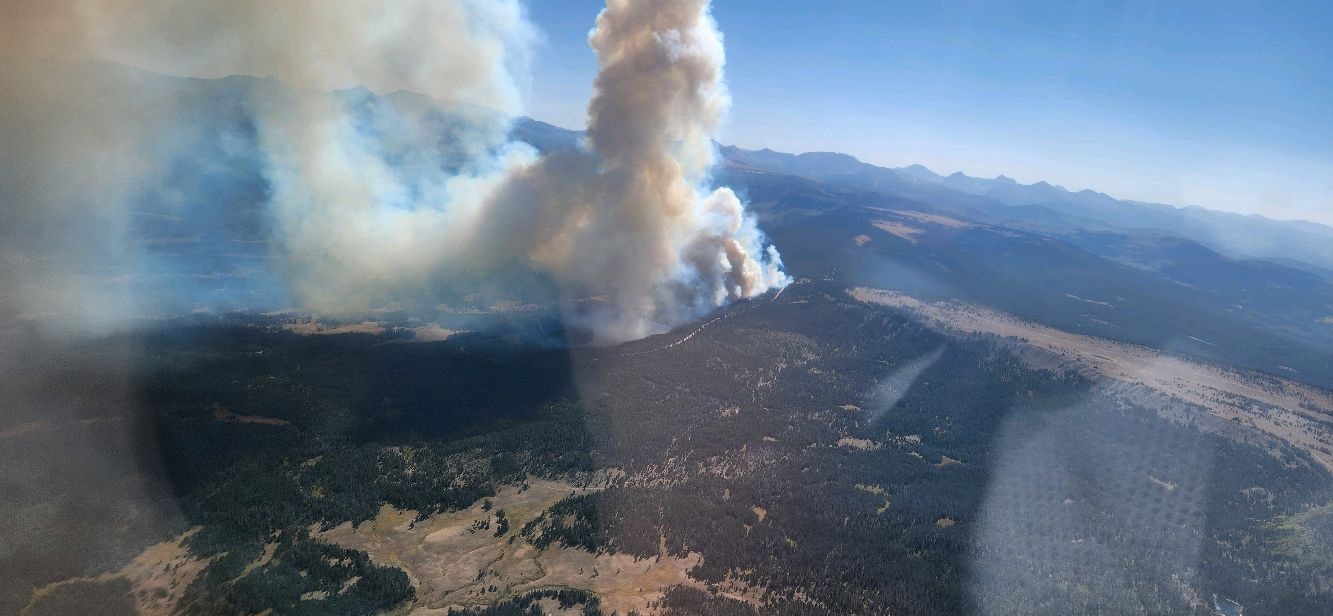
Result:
<point x="665" y="250"/>
<point x="370" y="201"/>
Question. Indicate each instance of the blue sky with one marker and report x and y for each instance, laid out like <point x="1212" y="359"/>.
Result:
<point x="1228" y="105"/>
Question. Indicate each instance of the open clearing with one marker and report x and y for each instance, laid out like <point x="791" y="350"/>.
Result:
<point x="449" y="560"/>
<point x="453" y="566"/>
<point x="158" y="577"/>
<point x="221" y="413"/>
<point x="1295" y="413"/>
<point x="900" y="223"/>
<point x="863" y="444"/>
<point x="899" y="229"/>
<point x="315" y="328"/>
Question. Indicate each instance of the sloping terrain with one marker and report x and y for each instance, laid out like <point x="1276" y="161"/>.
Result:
<point x="802" y="453"/>
<point x="1044" y="208"/>
<point x="1035" y="412"/>
<point x="1298" y="414"/>
<point x="469" y="557"/>
<point x="1271" y="319"/>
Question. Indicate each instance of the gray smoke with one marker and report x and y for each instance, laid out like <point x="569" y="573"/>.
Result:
<point x="366" y="201"/>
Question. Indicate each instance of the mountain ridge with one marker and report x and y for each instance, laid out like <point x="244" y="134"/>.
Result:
<point x="1251" y="236"/>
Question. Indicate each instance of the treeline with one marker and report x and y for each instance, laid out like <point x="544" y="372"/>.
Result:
<point x="985" y="468"/>
<point x="767" y="444"/>
<point x="529" y="604"/>
<point x="303" y="577"/>
<point x="330" y="429"/>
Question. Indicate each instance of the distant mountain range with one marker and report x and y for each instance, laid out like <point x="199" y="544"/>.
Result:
<point x="1048" y="208"/>
<point x="1040" y="207"/>
<point x="1242" y="290"/>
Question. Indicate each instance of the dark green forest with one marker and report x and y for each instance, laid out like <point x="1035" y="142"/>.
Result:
<point x="979" y="469"/>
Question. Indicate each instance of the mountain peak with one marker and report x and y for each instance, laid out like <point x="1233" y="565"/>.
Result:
<point x="828" y="156"/>
<point x="919" y="172"/>
<point x="356" y="93"/>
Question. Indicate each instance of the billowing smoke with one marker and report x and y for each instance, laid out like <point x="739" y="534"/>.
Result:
<point x="663" y="249"/>
<point x="631" y="222"/>
<point x="370" y="199"/>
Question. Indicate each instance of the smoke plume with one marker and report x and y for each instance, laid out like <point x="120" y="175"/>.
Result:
<point x="666" y="251"/>
<point x="373" y="198"/>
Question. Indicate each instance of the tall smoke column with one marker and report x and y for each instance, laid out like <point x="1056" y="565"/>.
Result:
<point x="631" y="221"/>
<point x="665" y="250"/>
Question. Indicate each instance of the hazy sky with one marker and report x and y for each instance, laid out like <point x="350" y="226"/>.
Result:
<point x="1228" y="105"/>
